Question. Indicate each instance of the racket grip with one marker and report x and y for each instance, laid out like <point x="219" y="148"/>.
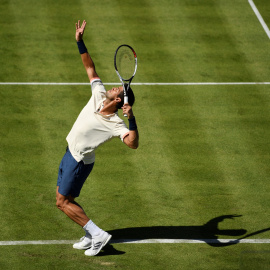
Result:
<point x="125" y="101"/>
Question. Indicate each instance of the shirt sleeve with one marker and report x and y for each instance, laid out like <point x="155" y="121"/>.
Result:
<point x="121" y="130"/>
<point x="98" y="93"/>
<point x="96" y="84"/>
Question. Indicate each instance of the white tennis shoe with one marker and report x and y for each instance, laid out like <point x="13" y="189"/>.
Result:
<point x="84" y="243"/>
<point x="98" y="242"/>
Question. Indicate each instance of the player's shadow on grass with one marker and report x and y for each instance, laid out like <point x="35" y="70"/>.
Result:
<point x="209" y="233"/>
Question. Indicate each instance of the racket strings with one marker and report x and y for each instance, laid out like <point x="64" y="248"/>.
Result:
<point x="125" y="62"/>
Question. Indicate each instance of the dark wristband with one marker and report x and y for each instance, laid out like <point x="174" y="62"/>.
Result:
<point x="81" y="47"/>
<point x="132" y="124"/>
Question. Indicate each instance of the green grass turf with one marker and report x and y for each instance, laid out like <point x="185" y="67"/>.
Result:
<point x="144" y="256"/>
<point x="204" y="150"/>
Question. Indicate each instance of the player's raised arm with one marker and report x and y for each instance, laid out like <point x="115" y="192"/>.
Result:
<point x="132" y="140"/>
<point x="86" y="58"/>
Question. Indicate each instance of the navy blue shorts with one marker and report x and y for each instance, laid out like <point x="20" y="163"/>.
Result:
<point x="72" y="175"/>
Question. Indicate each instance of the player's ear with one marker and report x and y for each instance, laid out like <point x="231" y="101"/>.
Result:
<point x="118" y="99"/>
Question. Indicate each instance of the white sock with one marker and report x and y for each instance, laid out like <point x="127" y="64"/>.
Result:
<point x="92" y="229"/>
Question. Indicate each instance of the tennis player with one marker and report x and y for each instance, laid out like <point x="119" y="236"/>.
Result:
<point x="97" y="123"/>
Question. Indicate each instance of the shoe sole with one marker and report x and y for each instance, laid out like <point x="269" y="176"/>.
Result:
<point x="82" y="248"/>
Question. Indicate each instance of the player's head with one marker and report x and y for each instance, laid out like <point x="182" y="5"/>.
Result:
<point x="131" y="98"/>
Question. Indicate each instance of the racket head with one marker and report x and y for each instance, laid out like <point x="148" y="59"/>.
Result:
<point x="125" y="62"/>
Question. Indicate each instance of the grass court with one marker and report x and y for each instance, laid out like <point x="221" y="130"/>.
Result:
<point x="204" y="149"/>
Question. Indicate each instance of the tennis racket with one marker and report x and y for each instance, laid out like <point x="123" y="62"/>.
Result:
<point x="125" y="63"/>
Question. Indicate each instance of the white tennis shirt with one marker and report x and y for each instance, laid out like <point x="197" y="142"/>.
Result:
<point x="92" y="129"/>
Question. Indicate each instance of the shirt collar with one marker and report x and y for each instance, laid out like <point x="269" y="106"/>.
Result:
<point x="105" y="116"/>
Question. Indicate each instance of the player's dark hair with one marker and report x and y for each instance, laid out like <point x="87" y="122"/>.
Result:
<point x="131" y="98"/>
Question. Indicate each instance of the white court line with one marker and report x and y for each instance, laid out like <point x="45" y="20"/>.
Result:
<point x="204" y="83"/>
<point x="260" y="18"/>
<point x="145" y="241"/>
<point x="138" y="83"/>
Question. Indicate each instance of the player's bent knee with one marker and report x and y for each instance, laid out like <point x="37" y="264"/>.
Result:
<point x="60" y="203"/>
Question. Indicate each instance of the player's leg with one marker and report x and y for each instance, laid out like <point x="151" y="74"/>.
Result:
<point x="71" y="178"/>
<point x="76" y="213"/>
<point x="72" y="209"/>
<point x="95" y="238"/>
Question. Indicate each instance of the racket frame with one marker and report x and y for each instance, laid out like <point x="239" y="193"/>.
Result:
<point x="125" y="81"/>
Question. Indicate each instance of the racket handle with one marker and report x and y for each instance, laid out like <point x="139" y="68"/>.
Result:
<point x="125" y="101"/>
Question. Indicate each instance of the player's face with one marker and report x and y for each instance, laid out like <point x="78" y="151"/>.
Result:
<point x="114" y="92"/>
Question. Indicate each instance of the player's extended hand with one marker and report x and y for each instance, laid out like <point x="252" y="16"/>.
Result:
<point x="127" y="109"/>
<point x="80" y="30"/>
